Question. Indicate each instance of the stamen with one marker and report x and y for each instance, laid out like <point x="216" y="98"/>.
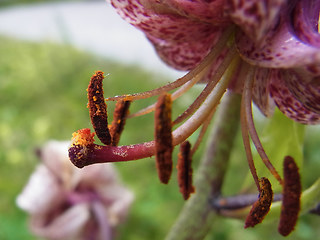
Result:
<point x="163" y="137"/>
<point x="185" y="170"/>
<point x="98" y="108"/>
<point x="202" y="132"/>
<point x="101" y="154"/>
<point x="291" y="197"/>
<point x="174" y="95"/>
<point x="262" y="206"/>
<point x="214" y="53"/>
<point x="206" y="91"/>
<point x="119" y="119"/>
<point x="247" y="97"/>
<point x="247" y="147"/>
<point x="213" y="99"/>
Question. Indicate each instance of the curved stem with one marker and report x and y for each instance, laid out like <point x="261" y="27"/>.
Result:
<point x="196" y="217"/>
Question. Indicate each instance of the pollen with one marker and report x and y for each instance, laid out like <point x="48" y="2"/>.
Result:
<point x="82" y="137"/>
<point x="119" y="119"/>
<point x="98" y="108"/>
<point x="291" y="197"/>
<point x="185" y="170"/>
<point x="163" y="137"/>
<point x="262" y="206"/>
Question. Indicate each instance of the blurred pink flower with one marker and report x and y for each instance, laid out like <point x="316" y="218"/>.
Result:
<point x="65" y="202"/>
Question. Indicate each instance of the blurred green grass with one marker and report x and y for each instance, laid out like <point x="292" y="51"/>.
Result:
<point x="43" y="96"/>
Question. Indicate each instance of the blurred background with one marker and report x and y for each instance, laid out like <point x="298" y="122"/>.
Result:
<point x="48" y="51"/>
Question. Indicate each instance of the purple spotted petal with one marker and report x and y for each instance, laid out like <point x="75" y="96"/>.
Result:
<point x="180" y="41"/>
<point x="305" y="17"/>
<point x="260" y="93"/>
<point x="288" y="103"/>
<point x="167" y="26"/>
<point x="255" y="17"/>
<point x="186" y="55"/>
<point x="206" y="11"/>
<point x="281" y="50"/>
<point x="307" y="93"/>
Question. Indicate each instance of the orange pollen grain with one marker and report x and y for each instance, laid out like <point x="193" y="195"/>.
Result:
<point x="82" y="137"/>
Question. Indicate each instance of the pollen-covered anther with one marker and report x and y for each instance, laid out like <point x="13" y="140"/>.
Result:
<point x="262" y="206"/>
<point x="291" y="197"/>
<point x="98" y="108"/>
<point x="163" y="137"/>
<point x="82" y="145"/>
<point x="185" y="170"/>
<point x="119" y="119"/>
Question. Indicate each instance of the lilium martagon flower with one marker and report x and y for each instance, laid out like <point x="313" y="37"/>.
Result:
<point x="66" y="203"/>
<point x="266" y="50"/>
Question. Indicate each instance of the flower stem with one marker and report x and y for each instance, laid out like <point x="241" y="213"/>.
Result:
<point x="196" y="216"/>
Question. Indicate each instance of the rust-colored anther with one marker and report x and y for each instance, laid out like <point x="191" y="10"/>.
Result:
<point x="120" y="114"/>
<point x="185" y="170"/>
<point x="98" y="108"/>
<point x="163" y="137"/>
<point x="291" y="197"/>
<point x="262" y="206"/>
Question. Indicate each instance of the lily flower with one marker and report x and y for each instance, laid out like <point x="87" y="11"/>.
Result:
<point x="266" y="50"/>
<point x="67" y="203"/>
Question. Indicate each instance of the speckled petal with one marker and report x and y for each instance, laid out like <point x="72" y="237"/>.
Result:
<point x="162" y="25"/>
<point x="207" y="11"/>
<point x="255" y="17"/>
<point x="288" y="103"/>
<point x="260" y="93"/>
<point x="281" y="49"/>
<point x="186" y="55"/>
<point x="307" y="93"/>
<point x="180" y="41"/>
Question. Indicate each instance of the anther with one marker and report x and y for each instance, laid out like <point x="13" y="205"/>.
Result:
<point x="291" y="197"/>
<point x="185" y="170"/>
<point x="163" y="137"/>
<point x="98" y="108"/>
<point x="119" y="119"/>
<point x="262" y="206"/>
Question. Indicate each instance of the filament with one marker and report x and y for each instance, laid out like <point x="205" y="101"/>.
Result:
<point x="213" y="99"/>
<point x="244" y="129"/>
<point x="247" y="94"/>
<point x="214" y="53"/>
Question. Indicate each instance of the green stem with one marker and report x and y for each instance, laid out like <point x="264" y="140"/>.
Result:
<point x="196" y="216"/>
